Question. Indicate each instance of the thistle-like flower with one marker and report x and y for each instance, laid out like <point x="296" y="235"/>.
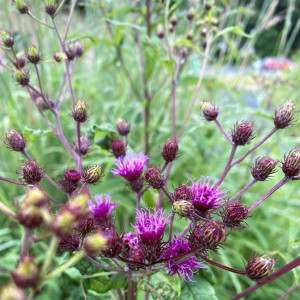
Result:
<point x="130" y="166"/>
<point x="242" y="133"/>
<point x="291" y="163"/>
<point x="183" y="192"/>
<point x="154" y="177"/>
<point x="204" y="196"/>
<point x="101" y="208"/>
<point x="263" y="168"/>
<point x="169" y="150"/>
<point x="15" y="141"/>
<point x="71" y="175"/>
<point x="209" y="110"/>
<point x="80" y="111"/>
<point x="260" y="267"/>
<point x="285" y="116"/>
<point x="31" y="172"/>
<point x="92" y="175"/>
<point x="234" y="215"/>
<point x="21" y="59"/>
<point x="184" y="268"/>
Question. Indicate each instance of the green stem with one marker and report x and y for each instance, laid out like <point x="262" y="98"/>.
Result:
<point x="49" y="255"/>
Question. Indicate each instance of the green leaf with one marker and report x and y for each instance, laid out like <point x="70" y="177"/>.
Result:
<point x="73" y="273"/>
<point x="200" y="289"/>
<point x="104" y="284"/>
<point x="31" y="134"/>
<point x="188" y="44"/>
<point x="233" y="29"/>
<point x="102" y="134"/>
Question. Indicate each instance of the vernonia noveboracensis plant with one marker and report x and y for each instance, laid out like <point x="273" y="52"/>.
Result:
<point x="84" y="224"/>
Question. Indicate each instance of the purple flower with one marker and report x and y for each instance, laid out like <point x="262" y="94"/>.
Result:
<point x="130" y="166"/>
<point x="150" y="227"/>
<point x="204" y="196"/>
<point x="101" y="209"/>
<point x="186" y="268"/>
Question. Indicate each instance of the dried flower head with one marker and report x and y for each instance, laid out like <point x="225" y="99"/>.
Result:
<point x="291" y="163"/>
<point x="15" y="141"/>
<point x="80" y="111"/>
<point x="234" y="214"/>
<point x="6" y="38"/>
<point x="118" y="148"/>
<point x="92" y="175"/>
<point x="242" y="133"/>
<point x="101" y="208"/>
<point x="209" y="110"/>
<point x="183" y="268"/>
<point x="285" y="116"/>
<point x="123" y="127"/>
<point x="26" y="274"/>
<point x="154" y="178"/>
<point x="260" y="267"/>
<point x="263" y="168"/>
<point x="130" y="166"/>
<point x="33" y="54"/>
<point x="169" y="150"/>
<point x="68" y="243"/>
<point x="183" y="192"/>
<point x="31" y="173"/>
<point x="204" y="196"/>
<point x="22" y="77"/>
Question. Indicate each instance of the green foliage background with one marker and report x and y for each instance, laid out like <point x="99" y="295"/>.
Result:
<point x="98" y="78"/>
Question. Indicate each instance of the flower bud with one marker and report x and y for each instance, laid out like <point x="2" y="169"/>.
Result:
<point x="31" y="172"/>
<point x="42" y="105"/>
<point x="12" y="292"/>
<point x="209" y="110"/>
<point x="60" y="56"/>
<point x="190" y="35"/>
<point x="204" y="44"/>
<point x="263" y="168"/>
<point x="7" y="39"/>
<point x="15" y="141"/>
<point x="92" y="175"/>
<point x="68" y="186"/>
<point x="22" y="77"/>
<point x="68" y="243"/>
<point x="242" y="133"/>
<point x="174" y="20"/>
<point x="21" y="6"/>
<point x="171" y="28"/>
<point x="70" y="52"/>
<point x="154" y="177"/>
<point x="113" y="242"/>
<point x="203" y="32"/>
<point x="22" y="60"/>
<point x="136" y="184"/>
<point x="285" y="115"/>
<point x="84" y="145"/>
<point x="26" y="274"/>
<point x="207" y="6"/>
<point x="214" y="233"/>
<point x="29" y="215"/>
<point x="33" y="54"/>
<point x="260" y="267"/>
<point x="71" y="175"/>
<point x="50" y="7"/>
<point x="78" y="49"/>
<point x="234" y="214"/>
<point x="160" y="31"/>
<point x="183" y="208"/>
<point x="79" y="112"/>
<point x="169" y="150"/>
<point x="183" y="192"/>
<point x="78" y="205"/>
<point x="64" y="222"/>
<point x="123" y="127"/>
<point x="118" y="148"/>
<point x="291" y="164"/>
<point x="191" y="14"/>
<point x="95" y="243"/>
<point x="36" y="196"/>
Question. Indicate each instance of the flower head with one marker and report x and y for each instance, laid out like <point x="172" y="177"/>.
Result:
<point x="130" y="166"/>
<point x="242" y="133"/>
<point x="286" y="115"/>
<point x="169" y="150"/>
<point x="15" y="141"/>
<point x="204" y="196"/>
<point x="291" y="163"/>
<point x="150" y="227"/>
<point x="101" y="207"/>
<point x="263" y="168"/>
<point x="209" y="110"/>
<point x="186" y="268"/>
<point x="123" y="127"/>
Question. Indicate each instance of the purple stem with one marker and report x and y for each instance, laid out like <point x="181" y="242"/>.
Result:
<point x="185" y="230"/>
<point x="12" y="181"/>
<point x="223" y="131"/>
<point x="70" y="18"/>
<point x="174" y="86"/>
<point x="295" y="263"/>
<point x="255" y="147"/>
<point x="102" y="266"/>
<point x="171" y="226"/>
<point x="5" y="66"/>
<point x="79" y="166"/>
<point x="119" y="292"/>
<point x="295" y="288"/>
<point x="269" y="193"/>
<point x="28" y="233"/>
<point x="167" y="194"/>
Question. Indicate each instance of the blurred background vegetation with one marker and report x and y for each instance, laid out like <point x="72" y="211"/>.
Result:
<point x="240" y="93"/>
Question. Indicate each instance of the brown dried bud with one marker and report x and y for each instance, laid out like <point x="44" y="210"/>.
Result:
<point x="263" y="168"/>
<point x="234" y="214"/>
<point x="260" y="267"/>
<point x="22" y="77"/>
<point x="92" y="175"/>
<point x="31" y="172"/>
<point x="285" y="116"/>
<point x="154" y="177"/>
<point x="26" y="274"/>
<point x="209" y="110"/>
<point x="169" y="150"/>
<point x="15" y="141"/>
<point x="68" y="243"/>
<point x="50" y="7"/>
<point x="174" y="20"/>
<point x="95" y="243"/>
<point x="291" y="164"/>
<point x="123" y="127"/>
<point x="80" y="113"/>
<point x="191" y="14"/>
<point x="118" y="148"/>
<point x="242" y="133"/>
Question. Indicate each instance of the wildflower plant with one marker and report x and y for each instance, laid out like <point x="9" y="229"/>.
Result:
<point x="84" y="225"/>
